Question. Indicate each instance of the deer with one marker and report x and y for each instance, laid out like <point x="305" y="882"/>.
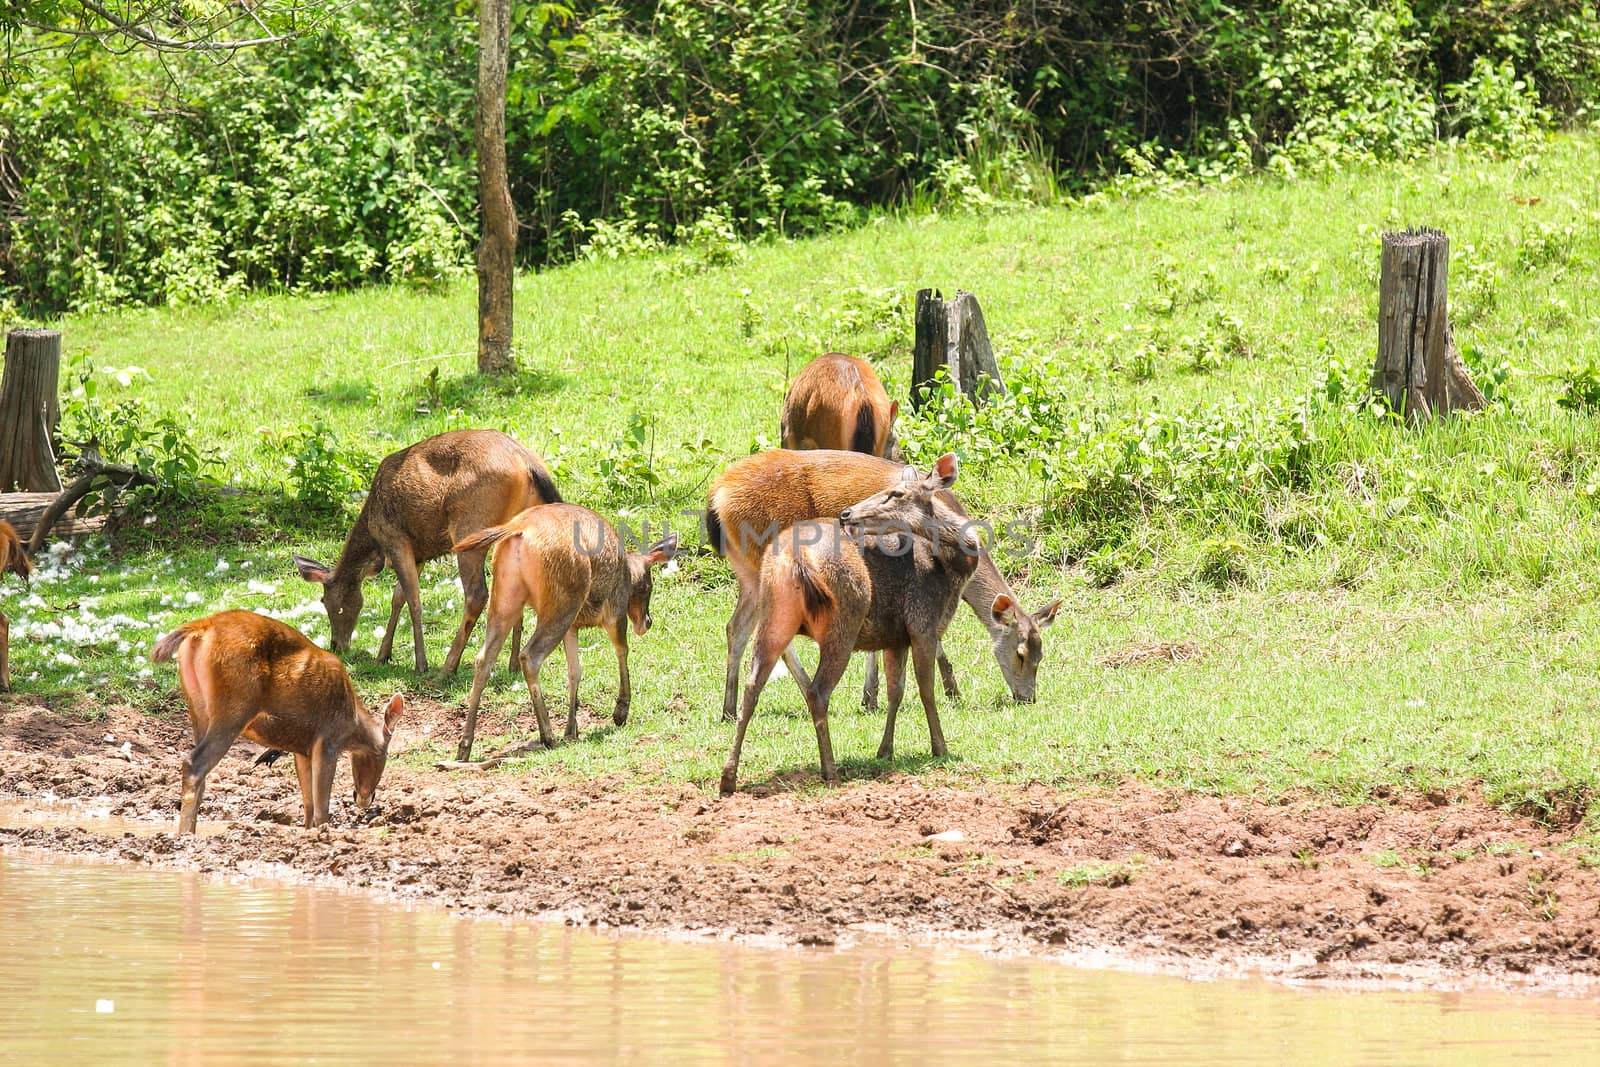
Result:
<point x="424" y="499"/>
<point x="886" y="576"/>
<point x="567" y="564"/>
<point x="13" y="560"/>
<point x="759" y="495"/>
<point x="248" y="675"/>
<point x="837" y="401"/>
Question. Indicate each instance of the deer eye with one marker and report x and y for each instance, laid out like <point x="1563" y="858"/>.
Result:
<point x="895" y="494"/>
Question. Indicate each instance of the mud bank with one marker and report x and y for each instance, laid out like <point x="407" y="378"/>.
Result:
<point x="1439" y="890"/>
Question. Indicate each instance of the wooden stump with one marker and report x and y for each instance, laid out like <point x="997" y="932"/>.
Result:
<point x="1419" y="369"/>
<point x="29" y="411"/>
<point x="952" y="334"/>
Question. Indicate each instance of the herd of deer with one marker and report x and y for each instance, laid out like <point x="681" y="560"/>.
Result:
<point x="831" y="536"/>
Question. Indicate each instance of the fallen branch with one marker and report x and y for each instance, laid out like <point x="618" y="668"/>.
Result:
<point x="120" y="475"/>
<point x="487" y="762"/>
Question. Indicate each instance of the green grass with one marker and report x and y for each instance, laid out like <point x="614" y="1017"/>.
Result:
<point x="1416" y="610"/>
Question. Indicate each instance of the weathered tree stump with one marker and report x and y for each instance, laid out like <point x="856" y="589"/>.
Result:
<point x="1419" y="369"/>
<point x="29" y="411"/>
<point x="952" y="334"/>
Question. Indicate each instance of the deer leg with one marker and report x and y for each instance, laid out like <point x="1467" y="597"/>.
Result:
<point x="869" y="688"/>
<point x="205" y="755"/>
<point x="619" y="641"/>
<point x="739" y="627"/>
<point x="894" y="665"/>
<point x="302" y="771"/>
<point x="405" y="573"/>
<point x="5" y="654"/>
<point x="922" y="661"/>
<point x="516" y="647"/>
<point x="324" y="762"/>
<point x="482" y="667"/>
<point x="475" y="593"/>
<point x="947" y="674"/>
<point x="761" y="664"/>
<point x="574" y="672"/>
<point x="797" y="670"/>
<point x="396" y="602"/>
<point x="831" y="662"/>
<point x="546" y="636"/>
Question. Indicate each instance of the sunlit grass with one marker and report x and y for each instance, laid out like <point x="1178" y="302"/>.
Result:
<point x="1453" y="649"/>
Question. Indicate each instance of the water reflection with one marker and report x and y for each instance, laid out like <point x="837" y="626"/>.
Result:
<point x="205" y="972"/>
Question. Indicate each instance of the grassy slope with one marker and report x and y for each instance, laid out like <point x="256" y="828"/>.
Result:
<point x="1306" y="679"/>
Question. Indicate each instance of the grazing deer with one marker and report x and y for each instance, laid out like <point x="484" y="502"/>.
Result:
<point x="837" y="401"/>
<point x="423" y="500"/>
<point x="13" y="560"/>
<point x="895" y="592"/>
<point x="770" y="491"/>
<point x="244" y="673"/>
<point x="568" y="564"/>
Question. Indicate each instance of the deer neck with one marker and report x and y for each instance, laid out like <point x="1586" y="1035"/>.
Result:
<point x="360" y="550"/>
<point x="987" y="583"/>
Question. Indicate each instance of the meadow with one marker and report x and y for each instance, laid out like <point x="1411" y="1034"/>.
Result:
<point x="1269" y="586"/>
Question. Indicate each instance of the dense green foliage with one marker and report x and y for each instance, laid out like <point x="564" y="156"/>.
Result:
<point x="345" y="156"/>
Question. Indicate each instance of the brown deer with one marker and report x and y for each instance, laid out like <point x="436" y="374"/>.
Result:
<point x="244" y="673"/>
<point x="423" y="500"/>
<point x="837" y="401"/>
<point x="568" y="564"/>
<point x="13" y="560"/>
<point x="770" y="491"/>
<point x="895" y="591"/>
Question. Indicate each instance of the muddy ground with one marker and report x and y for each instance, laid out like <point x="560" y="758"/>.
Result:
<point x="1439" y="890"/>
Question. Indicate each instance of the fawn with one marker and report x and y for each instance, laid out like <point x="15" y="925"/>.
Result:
<point x="244" y="673"/>
<point x="568" y="564"/>
<point x="837" y="401"/>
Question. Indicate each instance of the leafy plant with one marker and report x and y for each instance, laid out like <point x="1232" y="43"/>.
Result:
<point x="323" y="472"/>
<point x="1580" y="388"/>
<point x="626" y="467"/>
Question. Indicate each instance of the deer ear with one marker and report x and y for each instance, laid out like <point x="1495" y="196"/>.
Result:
<point x="662" y="550"/>
<point x="945" y="468"/>
<point x="1004" y="609"/>
<point x="392" y="712"/>
<point x="1047" y="614"/>
<point x="311" y="570"/>
<point x="894" y="410"/>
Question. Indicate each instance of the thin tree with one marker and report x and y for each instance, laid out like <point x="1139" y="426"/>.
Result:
<point x="497" y="245"/>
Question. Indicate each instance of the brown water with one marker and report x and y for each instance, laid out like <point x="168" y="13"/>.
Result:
<point x="207" y="972"/>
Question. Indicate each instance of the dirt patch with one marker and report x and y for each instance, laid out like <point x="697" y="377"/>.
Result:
<point x="1440" y="886"/>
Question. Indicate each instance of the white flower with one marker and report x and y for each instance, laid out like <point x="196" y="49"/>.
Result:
<point x="192" y="597"/>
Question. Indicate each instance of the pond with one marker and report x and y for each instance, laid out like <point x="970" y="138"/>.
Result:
<point x="105" y="964"/>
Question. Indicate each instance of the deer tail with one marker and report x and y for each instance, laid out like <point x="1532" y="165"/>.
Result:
<point x="543" y="485"/>
<point x="483" y="538"/>
<point x="816" y="595"/>
<point x="866" y="435"/>
<point x="167" y="646"/>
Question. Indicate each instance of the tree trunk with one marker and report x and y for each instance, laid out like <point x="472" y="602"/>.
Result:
<point x="497" y="245"/>
<point x="951" y="334"/>
<point x="29" y="411"/>
<point x="1419" y="369"/>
